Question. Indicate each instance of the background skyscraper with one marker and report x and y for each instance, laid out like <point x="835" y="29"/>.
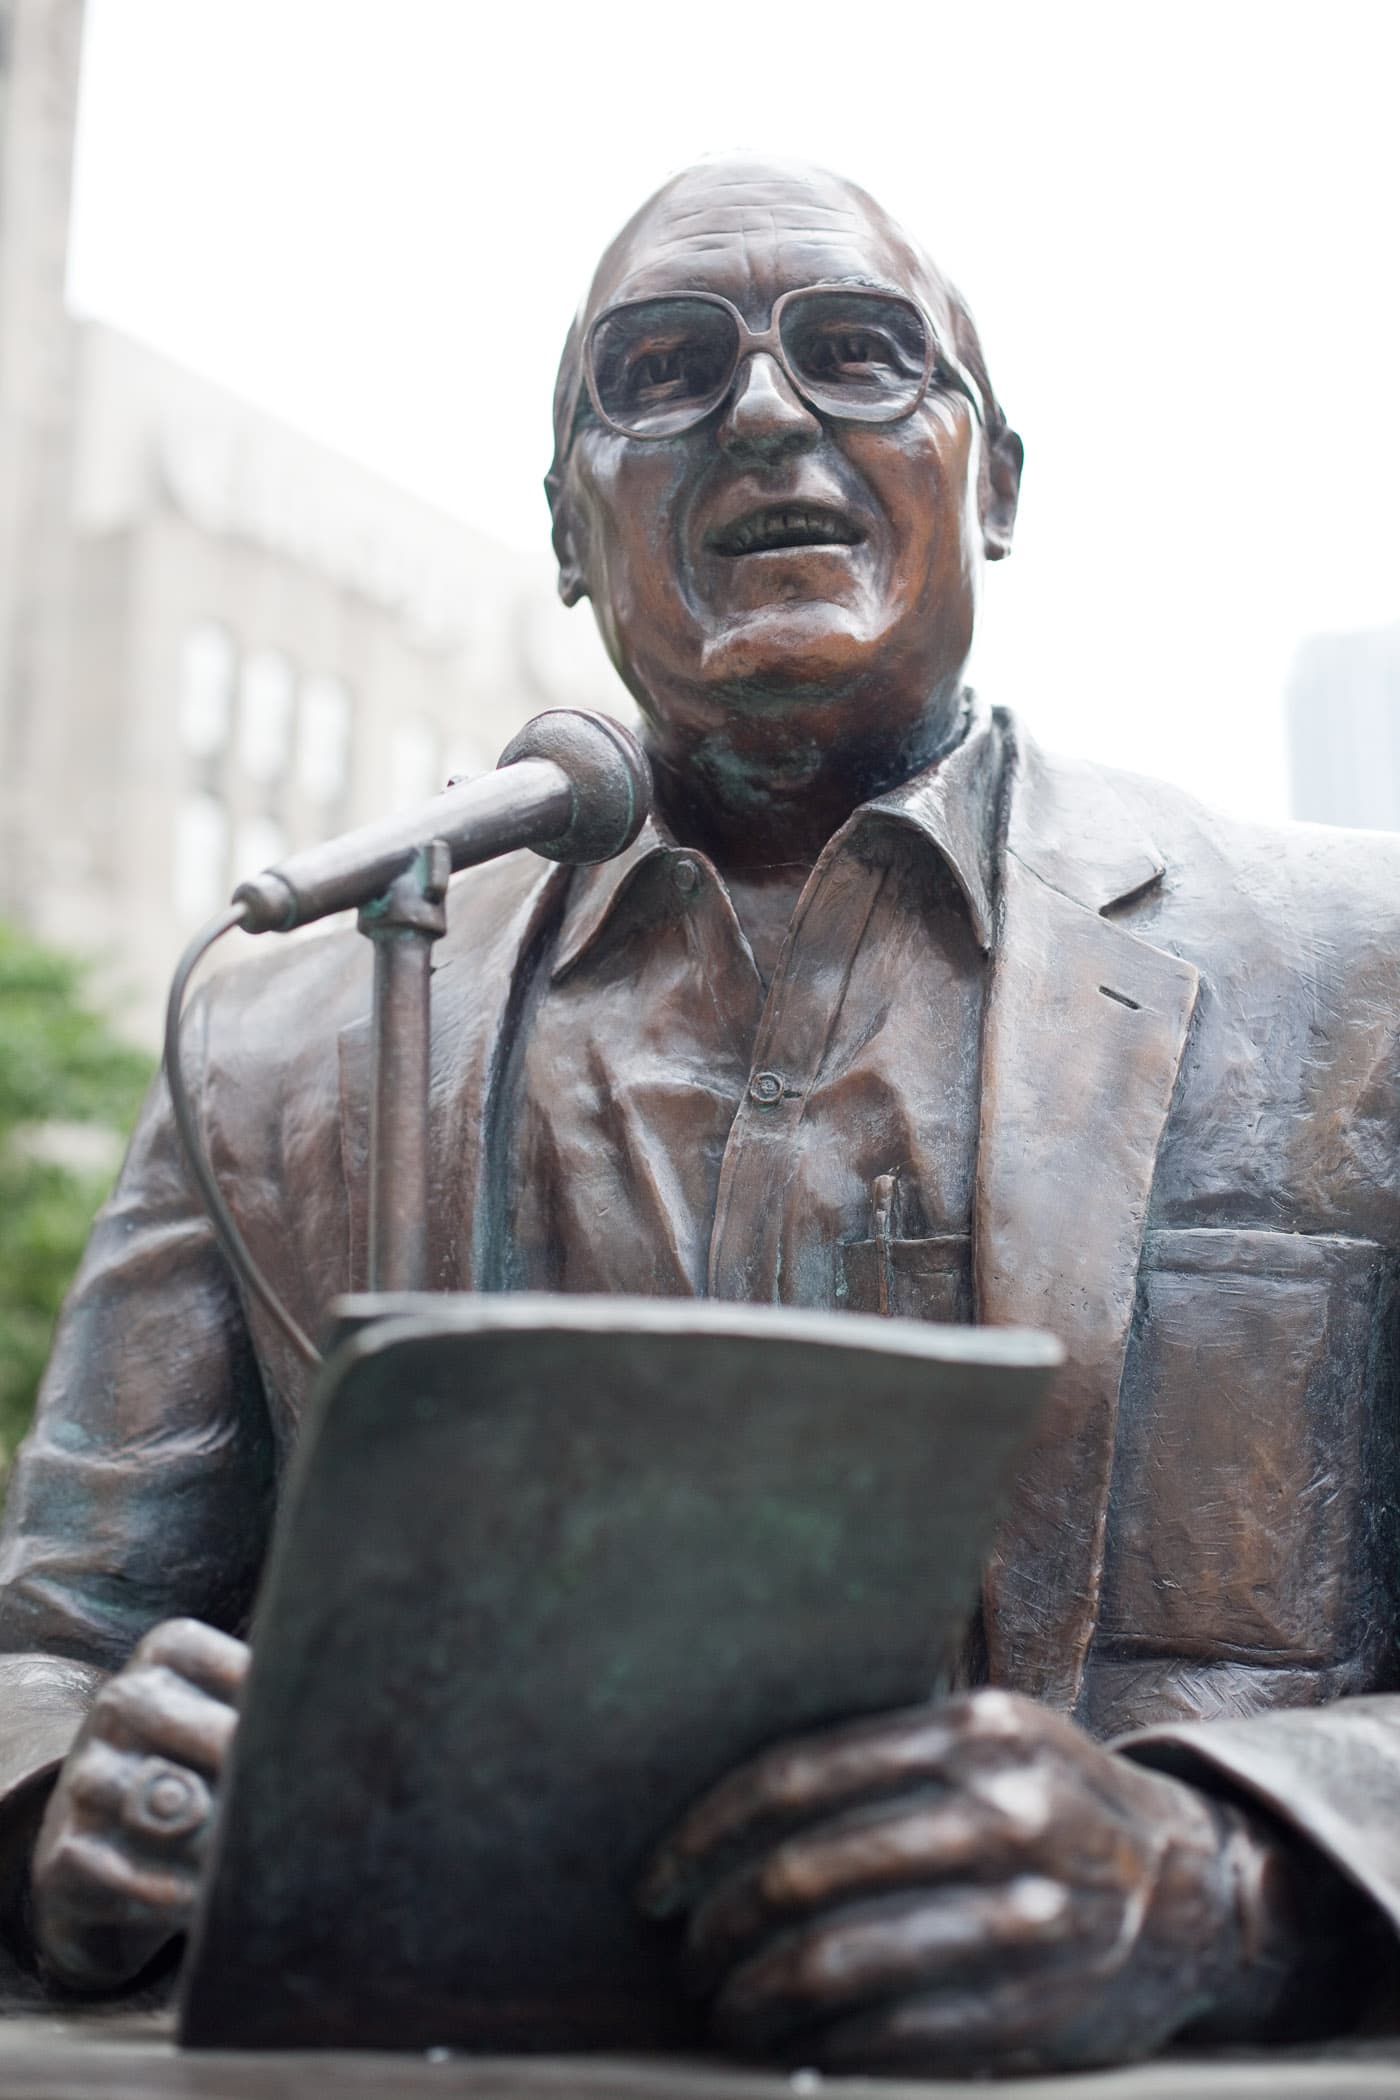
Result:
<point x="1344" y="729"/>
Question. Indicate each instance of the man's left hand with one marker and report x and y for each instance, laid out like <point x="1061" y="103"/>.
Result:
<point x="971" y="1886"/>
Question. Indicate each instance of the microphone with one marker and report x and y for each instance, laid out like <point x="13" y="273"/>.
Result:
<point x="573" y="785"/>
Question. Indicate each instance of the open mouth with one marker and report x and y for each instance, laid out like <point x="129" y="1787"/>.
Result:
<point x="781" y="525"/>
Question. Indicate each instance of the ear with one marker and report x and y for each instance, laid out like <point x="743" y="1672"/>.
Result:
<point x="568" y="549"/>
<point x="1003" y="455"/>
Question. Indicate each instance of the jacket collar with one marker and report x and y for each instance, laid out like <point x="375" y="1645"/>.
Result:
<point x="1067" y="821"/>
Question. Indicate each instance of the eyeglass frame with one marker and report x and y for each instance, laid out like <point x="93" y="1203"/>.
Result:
<point x="769" y="340"/>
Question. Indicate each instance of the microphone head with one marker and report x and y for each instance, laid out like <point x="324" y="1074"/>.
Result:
<point x="607" y="770"/>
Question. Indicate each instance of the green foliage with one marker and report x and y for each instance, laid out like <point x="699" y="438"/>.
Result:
<point x="60" y="1065"/>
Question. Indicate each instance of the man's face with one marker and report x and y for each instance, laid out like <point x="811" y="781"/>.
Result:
<point x="707" y="618"/>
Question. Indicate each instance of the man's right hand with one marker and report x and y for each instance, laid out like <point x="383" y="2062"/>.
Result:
<point x="118" y="1858"/>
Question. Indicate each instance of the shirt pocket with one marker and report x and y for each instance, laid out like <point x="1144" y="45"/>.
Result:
<point x="926" y="1279"/>
<point x="1254" y="1459"/>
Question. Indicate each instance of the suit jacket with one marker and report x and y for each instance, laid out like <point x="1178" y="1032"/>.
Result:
<point x="1187" y="1168"/>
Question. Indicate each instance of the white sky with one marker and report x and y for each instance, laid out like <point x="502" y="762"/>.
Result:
<point x="1178" y="226"/>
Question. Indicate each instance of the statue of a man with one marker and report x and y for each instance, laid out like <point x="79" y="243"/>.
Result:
<point x="1059" y="1045"/>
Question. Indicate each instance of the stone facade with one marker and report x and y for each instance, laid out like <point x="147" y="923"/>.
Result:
<point x="269" y="645"/>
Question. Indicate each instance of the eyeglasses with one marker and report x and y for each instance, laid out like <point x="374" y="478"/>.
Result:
<point x="656" y="367"/>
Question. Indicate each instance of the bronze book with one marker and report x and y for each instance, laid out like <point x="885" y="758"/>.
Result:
<point x="545" y="1569"/>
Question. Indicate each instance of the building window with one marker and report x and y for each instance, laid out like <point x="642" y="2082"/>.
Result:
<point x="259" y="843"/>
<point x="415" y="765"/>
<point x="264" y="714"/>
<point x="201" y="858"/>
<point x="323" y="740"/>
<point x="206" y="689"/>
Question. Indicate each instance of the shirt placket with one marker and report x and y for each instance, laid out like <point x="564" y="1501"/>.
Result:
<point x="805" y="998"/>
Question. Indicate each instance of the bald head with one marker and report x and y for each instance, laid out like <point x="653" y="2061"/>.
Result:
<point x="686" y="233"/>
<point x="782" y="533"/>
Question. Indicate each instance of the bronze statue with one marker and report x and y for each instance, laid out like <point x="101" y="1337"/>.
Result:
<point x="887" y="1009"/>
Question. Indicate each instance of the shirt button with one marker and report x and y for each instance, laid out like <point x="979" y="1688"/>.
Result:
<point x="766" y="1088"/>
<point x="685" y="875"/>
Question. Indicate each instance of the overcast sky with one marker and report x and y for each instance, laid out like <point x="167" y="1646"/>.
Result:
<point x="1177" y="227"/>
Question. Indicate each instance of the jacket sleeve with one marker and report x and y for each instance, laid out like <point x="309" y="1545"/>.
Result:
<point x="1329" y="1773"/>
<point x="144" y="1489"/>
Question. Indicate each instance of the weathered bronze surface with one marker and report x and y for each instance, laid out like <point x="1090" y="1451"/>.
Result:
<point x="88" y="2053"/>
<point x="886" y="1008"/>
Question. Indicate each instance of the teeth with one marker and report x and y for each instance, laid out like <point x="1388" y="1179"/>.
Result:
<point x="787" y="528"/>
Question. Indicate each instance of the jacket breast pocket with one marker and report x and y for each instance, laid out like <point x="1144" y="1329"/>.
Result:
<point x="926" y="1279"/>
<point x="1254" y="1461"/>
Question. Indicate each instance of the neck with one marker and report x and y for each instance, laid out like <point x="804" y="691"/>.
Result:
<point x="764" y="802"/>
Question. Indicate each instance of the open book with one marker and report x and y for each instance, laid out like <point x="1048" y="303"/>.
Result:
<point x="545" y="1569"/>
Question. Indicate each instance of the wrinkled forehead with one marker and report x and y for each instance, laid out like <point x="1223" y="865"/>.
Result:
<point x="752" y="232"/>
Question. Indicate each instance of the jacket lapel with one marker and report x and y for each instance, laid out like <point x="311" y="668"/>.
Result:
<point x="1083" y="1037"/>
<point x="496" y="919"/>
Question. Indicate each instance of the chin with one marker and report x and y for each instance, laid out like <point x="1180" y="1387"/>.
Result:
<point x="801" y="651"/>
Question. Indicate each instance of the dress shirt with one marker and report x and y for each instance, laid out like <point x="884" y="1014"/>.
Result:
<point x="673" y="1130"/>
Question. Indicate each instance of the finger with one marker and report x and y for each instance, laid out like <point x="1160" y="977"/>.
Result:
<point x="1008" y="1821"/>
<point x="807" y="1780"/>
<point x="97" y="1778"/>
<point x="889" y="1950"/>
<point x="818" y="1776"/>
<point x="115" y="1887"/>
<point x="1002" y="2027"/>
<point x="99" y="1919"/>
<point x="147" y="1806"/>
<point x="155" y="1712"/>
<point x="869" y="1853"/>
<point x="214" y="1662"/>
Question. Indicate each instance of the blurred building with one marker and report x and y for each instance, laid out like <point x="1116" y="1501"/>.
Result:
<point x="1344" y="729"/>
<point x="218" y="639"/>
<point x="268" y="644"/>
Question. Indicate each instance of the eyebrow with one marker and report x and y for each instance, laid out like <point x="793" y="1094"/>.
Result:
<point x="858" y="280"/>
<point x="874" y="284"/>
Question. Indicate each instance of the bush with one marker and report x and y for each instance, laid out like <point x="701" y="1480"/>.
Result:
<point x="64" y="1074"/>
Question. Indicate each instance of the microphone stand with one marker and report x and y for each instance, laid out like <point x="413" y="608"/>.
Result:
<point x="403" y="924"/>
<point x="573" y="786"/>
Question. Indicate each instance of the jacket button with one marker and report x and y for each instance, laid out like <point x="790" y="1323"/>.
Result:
<point x="766" y="1088"/>
<point x="685" y="875"/>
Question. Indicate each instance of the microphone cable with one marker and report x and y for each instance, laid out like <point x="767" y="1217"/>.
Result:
<point x="186" y="1123"/>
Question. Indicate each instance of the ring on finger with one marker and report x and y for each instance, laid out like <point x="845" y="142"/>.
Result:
<point x="163" y="1800"/>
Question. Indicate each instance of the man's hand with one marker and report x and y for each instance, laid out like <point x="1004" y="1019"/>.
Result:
<point x="972" y="1886"/>
<point x="118" y="1857"/>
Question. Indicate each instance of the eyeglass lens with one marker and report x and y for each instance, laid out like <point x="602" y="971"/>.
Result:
<point x="661" y="365"/>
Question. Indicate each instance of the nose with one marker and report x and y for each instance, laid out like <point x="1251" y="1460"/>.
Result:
<point x="765" y="418"/>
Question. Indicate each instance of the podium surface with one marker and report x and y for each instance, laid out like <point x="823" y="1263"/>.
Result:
<point x="107" y="2056"/>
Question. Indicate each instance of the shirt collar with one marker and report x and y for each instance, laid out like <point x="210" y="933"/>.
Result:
<point x="952" y="804"/>
<point x="596" y="893"/>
